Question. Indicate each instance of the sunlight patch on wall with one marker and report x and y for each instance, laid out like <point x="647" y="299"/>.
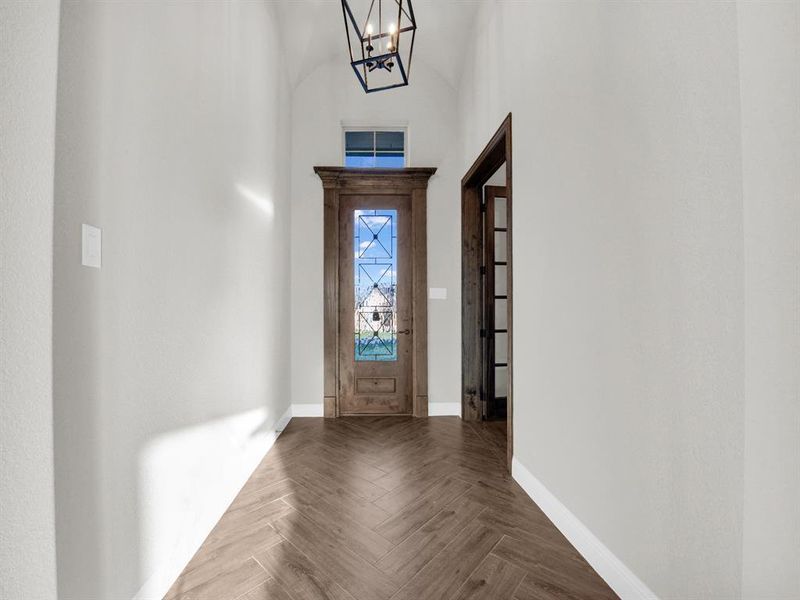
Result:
<point x="261" y="201"/>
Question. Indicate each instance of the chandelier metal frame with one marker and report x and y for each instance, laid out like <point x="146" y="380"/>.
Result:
<point x="371" y="51"/>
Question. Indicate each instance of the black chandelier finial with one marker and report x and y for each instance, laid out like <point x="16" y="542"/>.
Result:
<point x="381" y="42"/>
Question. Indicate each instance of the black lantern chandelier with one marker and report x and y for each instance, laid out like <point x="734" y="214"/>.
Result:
<point x="381" y="41"/>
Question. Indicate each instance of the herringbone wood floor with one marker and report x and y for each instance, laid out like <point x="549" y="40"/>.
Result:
<point x="378" y="508"/>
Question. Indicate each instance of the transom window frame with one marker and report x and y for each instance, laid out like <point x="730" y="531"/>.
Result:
<point x="394" y="127"/>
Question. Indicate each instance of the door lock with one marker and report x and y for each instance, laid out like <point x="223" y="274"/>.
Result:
<point x="404" y="331"/>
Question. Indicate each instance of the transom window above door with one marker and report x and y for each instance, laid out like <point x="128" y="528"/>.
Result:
<point x="375" y="148"/>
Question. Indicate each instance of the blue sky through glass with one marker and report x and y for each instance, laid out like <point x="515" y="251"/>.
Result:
<point x="381" y="162"/>
<point x="375" y="277"/>
<point x="371" y="149"/>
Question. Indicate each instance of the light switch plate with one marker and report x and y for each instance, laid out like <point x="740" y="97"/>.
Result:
<point x="437" y="293"/>
<point x="91" y="246"/>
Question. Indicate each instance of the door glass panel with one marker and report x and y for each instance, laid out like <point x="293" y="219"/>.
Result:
<point x="500" y="280"/>
<point x="500" y="212"/>
<point x="500" y="245"/>
<point x="500" y="314"/>
<point x="375" y="263"/>
<point x="501" y="347"/>
<point x="500" y="382"/>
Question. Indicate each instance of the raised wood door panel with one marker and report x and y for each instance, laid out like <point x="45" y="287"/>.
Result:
<point x="375" y="304"/>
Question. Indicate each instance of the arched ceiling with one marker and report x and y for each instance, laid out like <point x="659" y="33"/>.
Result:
<point x="313" y="34"/>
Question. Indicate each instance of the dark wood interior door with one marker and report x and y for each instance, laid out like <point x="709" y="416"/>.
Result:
<point x="375" y="310"/>
<point x="495" y="303"/>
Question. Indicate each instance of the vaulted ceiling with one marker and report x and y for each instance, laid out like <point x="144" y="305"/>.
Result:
<point x="314" y="34"/>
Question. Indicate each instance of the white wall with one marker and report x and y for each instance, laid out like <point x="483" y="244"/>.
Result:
<point x="769" y="55"/>
<point x="327" y="96"/>
<point x="656" y="283"/>
<point x="171" y="362"/>
<point x="28" y="62"/>
<point x="628" y="271"/>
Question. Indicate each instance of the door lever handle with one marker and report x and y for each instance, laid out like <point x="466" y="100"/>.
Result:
<point x="404" y="331"/>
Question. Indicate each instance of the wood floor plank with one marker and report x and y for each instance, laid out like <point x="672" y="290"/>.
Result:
<point x="339" y="495"/>
<point x="405" y="522"/>
<point x="492" y="477"/>
<point x="524" y="527"/>
<point x="407" y="558"/>
<point x="207" y="560"/>
<point x="550" y="569"/>
<point x="353" y="573"/>
<point x="237" y="524"/>
<point x="343" y="476"/>
<point x="494" y="579"/>
<point x="504" y="496"/>
<point x="252" y="497"/>
<point x="411" y="489"/>
<point x="532" y="588"/>
<point x="295" y="572"/>
<point x="268" y="472"/>
<point x="269" y="590"/>
<point x="228" y="582"/>
<point x="427" y="470"/>
<point x="345" y="459"/>
<point x="365" y="450"/>
<point x="445" y="574"/>
<point x="361" y="539"/>
<point x="232" y="541"/>
<point x="378" y="508"/>
<point x="495" y="434"/>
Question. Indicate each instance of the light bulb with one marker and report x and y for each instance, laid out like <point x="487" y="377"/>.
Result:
<point x="392" y="28"/>
<point x="369" y="29"/>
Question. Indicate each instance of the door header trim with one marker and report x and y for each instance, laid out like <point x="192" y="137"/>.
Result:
<point x="348" y="177"/>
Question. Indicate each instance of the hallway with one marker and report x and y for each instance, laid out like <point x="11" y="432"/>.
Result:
<point x="373" y="508"/>
<point x="221" y="221"/>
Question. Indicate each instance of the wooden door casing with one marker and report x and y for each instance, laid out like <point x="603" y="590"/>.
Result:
<point x="375" y="386"/>
<point x="498" y="151"/>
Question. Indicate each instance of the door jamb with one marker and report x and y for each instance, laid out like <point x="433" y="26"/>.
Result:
<point x="413" y="182"/>
<point x="497" y="151"/>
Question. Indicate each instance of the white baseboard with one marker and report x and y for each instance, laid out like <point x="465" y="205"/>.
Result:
<point x="308" y="410"/>
<point x="616" y="574"/>
<point x="444" y="409"/>
<point x="281" y="423"/>
<point x="159" y="582"/>
<point x="435" y="409"/>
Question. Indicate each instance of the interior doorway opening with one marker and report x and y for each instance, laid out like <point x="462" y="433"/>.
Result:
<point x="487" y="293"/>
<point x="494" y="290"/>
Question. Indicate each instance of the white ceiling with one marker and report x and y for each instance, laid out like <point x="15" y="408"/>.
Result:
<point x="313" y="32"/>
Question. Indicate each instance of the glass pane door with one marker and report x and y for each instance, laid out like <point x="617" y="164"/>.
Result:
<point x="375" y="264"/>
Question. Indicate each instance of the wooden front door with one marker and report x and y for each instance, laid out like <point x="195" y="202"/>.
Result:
<point x="375" y="304"/>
